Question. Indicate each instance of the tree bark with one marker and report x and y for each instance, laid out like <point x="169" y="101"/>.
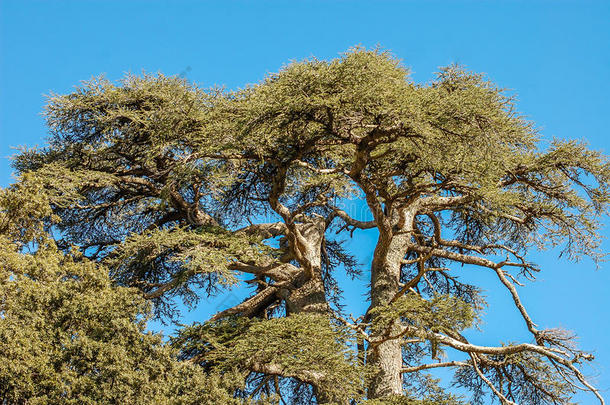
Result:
<point x="307" y="290"/>
<point x="387" y="356"/>
<point x="385" y="284"/>
<point x="307" y="297"/>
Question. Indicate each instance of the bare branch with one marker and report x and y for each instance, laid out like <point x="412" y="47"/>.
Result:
<point x="318" y="170"/>
<point x="434" y="365"/>
<point x="265" y="231"/>
<point x="353" y="222"/>
<point x="493" y="388"/>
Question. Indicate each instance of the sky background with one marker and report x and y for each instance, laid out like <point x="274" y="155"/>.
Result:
<point x="555" y="55"/>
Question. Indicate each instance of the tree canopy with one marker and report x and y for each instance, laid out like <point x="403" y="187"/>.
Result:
<point x="154" y="191"/>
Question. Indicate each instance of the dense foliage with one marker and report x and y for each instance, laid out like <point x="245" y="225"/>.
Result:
<point x="69" y="336"/>
<point x="152" y="191"/>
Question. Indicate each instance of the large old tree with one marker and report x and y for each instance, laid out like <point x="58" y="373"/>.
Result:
<point x="178" y="192"/>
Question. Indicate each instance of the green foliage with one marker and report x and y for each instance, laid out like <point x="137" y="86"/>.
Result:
<point x="119" y="163"/>
<point x="22" y="208"/>
<point x="303" y="346"/>
<point x="68" y="336"/>
<point x="425" y="392"/>
<point x="440" y="313"/>
<point x="173" y="260"/>
<point x="405" y="400"/>
<point x="155" y="184"/>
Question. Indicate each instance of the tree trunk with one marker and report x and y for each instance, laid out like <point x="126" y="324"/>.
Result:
<point x="387" y="356"/>
<point x="385" y="284"/>
<point x="307" y="294"/>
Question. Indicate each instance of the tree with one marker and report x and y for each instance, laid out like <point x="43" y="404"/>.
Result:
<point x="68" y="336"/>
<point x="166" y="185"/>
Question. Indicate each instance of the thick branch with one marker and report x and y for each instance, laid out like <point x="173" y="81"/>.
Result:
<point x="353" y="222"/>
<point x="265" y="231"/>
<point x="250" y="305"/>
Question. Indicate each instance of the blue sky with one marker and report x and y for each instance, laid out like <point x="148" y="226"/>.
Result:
<point x="555" y="55"/>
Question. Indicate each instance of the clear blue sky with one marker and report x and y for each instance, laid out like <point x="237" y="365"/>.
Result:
<point x="554" y="54"/>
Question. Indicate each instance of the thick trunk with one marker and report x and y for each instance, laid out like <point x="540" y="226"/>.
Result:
<point x="387" y="356"/>
<point x="385" y="284"/>
<point x="307" y="292"/>
<point x="308" y="296"/>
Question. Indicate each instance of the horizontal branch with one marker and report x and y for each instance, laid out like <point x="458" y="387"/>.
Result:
<point x="311" y="377"/>
<point x="434" y="365"/>
<point x="318" y="170"/>
<point x="265" y="231"/>
<point x="552" y="354"/>
<point x="353" y="222"/>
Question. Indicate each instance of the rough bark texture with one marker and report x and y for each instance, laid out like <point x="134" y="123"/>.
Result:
<point x="385" y="280"/>
<point x="307" y="297"/>
<point x="306" y="292"/>
<point x="307" y="289"/>
<point x="387" y="357"/>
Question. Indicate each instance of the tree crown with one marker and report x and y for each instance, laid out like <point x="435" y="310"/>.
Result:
<point x="166" y="184"/>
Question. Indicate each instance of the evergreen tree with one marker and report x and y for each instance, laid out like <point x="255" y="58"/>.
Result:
<point x="164" y="186"/>
<point x="68" y="336"/>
